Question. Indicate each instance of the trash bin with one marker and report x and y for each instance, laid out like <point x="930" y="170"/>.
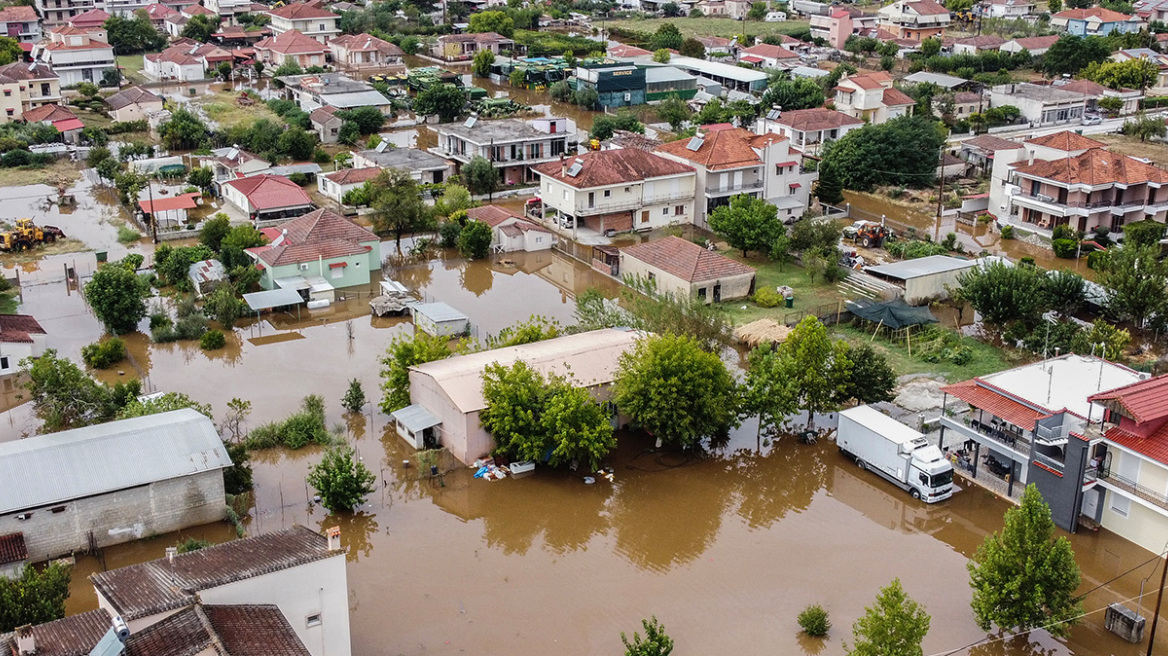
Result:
<point x="102" y="256"/>
<point x="790" y="301"/>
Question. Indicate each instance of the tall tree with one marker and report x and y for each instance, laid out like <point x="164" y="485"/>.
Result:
<point x="445" y="100"/>
<point x="790" y="95"/>
<point x="131" y="35"/>
<point x="1073" y="53"/>
<point x="481" y="177"/>
<point x="1023" y="578"/>
<point x="675" y="390"/>
<point x="474" y="240"/>
<point x="481" y="65"/>
<point x="10" y="50"/>
<point x="342" y="480"/>
<point x="397" y="204"/>
<point x="692" y="48"/>
<point x="667" y="36"/>
<point x="1135" y="278"/>
<point x="894" y="626"/>
<point x="768" y="391"/>
<point x="38" y="596"/>
<point x="1065" y="291"/>
<point x="890" y="153"/>
<point x="872" y="379"/>
<point x="116" y="296"/>
<point x="492" y="21"/>
<point x="817" y="369"/>
<point x="200" y="27"/>
<point x="674" y="111"/>
<point x="829" y="188"/>
<point x="747" y="223"/>
<point x="1002" y="294"/>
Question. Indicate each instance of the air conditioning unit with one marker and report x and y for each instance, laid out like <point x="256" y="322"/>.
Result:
<point x="304" y="267"/>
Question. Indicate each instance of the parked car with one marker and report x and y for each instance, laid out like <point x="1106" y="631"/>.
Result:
<point x="1092" y="119"/>
<point x="567" y="222"/>
<point x="851" y="231"/>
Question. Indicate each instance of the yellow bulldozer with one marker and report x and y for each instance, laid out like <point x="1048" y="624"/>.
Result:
<point x="27" y="234"/>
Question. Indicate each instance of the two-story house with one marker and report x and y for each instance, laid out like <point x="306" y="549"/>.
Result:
<point x="291" y="46"/>
<point x="808" y="129"/>
<point x="359" y="51"/>
<point x="916" y="20"/>
<point x="1060" y="145"/>
<point x="309" y="18"/>
<point x="20" y="22"/>
<point x="872" y="98"/>
<point x="1095" y="21"/>
<point x="184" y="63"/>
<point x="25" y="86"/>
<point x="59" y="12"/>
<point x="462" y="47"/>
<point x="1152" y="10"/>
<point x="228" y="10"/>
<point x="1041" y="104"/>
<point x="322" y="249"/>
<point x="730" y="161"/>
<point x="1008" y="9"/>
<point x="76" y="58"/>
<point x="513" y="145"/>
<point x="617" y="190"/>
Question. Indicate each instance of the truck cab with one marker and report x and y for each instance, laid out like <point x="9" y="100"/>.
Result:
<point x="930" y="474"/>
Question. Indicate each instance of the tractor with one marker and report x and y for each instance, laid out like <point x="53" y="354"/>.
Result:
<point x="867" y="233"/>
<point x="26" y="234"/>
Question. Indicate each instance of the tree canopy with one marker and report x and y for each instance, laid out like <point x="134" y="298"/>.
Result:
<point x="116" y="295"/>
<point x="445" y="100"/>
<point x="132" y="35"/>
<point x="1073" y="53"/>
<point x="898" y="152"/>
<point x="342" y="480"/>
<point x="38" y="596"/>
<point x="894" y="626"/>
<point x="492" y="21"/>
<point x="667" y="36"/>
<point x="406" y="351"/>
<point x="480" y="176"/>
<point x="398" y="205"/>
<point x="747" y="223"/>
<point x="1135" y="278"/>
<point x="800" y="93"/>
<point x="1003" y="294"/>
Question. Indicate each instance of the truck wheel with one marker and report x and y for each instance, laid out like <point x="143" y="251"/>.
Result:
<point x="867" y="242"/>
<point x="860" y="464"/>
<point x="916" y="494"/>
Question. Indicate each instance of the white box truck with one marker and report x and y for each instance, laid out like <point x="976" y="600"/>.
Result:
<point x="896" y="452"/>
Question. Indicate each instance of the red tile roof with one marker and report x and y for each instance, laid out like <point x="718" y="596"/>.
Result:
<point x="491" y="215"/>
<point x="1066" y="141"/>
<point x="983" y="42"/>
<point x="1085" y="87"/>
<point x="1146" y="400"/>
<point x="131" y="96"/>
<point x="612" y="167"/>
<point x="812" y="120"/>
<point x="325" y="224"/>
<point x="90" y="43"/>
<point x="1099" y="13"/>
<point x="18" y="71"/>
<point x="72" y="636"/>
<point x="302" y="11"/>
<point x="159" y="12"/>
<point x="990" y="143"/>
<point x="1154" y="446"/>
<point x="994" y="403"/>
<point x="720" y="149"/>
<point x="353" y="176"/>
<point x="292" y="42"/>
<point x="925" y="8"/>
<point x="270" y="192"/>
<point x="1037" y="42"/>
<point x="323" y="115"/>
<point x="254" y="630"/>
<point x="1095" y="167"/>
<point x="896" y="97"/>
<point x="686" y="260"/>
<point x="623" y="50"/>
<point x="366" y="42"/>
<point x="48" y="113"/>
<point x="12" y="548"/>
<point x="18" y="14"/>
<point x="770" y="52"/>
<point x="91" y="18"/>
<point x="19" y="328"/>
<point x="179" y="202"/>
<point x="325" y="249"/>
<point x="476" y="37"/>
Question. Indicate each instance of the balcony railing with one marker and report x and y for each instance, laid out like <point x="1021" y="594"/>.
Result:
<point x="1131" y="487"/>
<point x="735" y="189"/>
<point x="1053" y="463"/>
<point x="668" y="198"/>
<point x="1009" y="440"/>
<point x="1090" y="475"/>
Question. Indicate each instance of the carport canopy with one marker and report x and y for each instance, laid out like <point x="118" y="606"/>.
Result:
<point x="272" y="298"/>
<point x="415" y="418"/>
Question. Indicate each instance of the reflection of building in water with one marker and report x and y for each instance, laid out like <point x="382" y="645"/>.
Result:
<point x="865" y="492"/>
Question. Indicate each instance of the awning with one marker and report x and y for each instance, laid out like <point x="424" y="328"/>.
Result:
<point x="794" y="185"/>
<point x="338" y="265"/>
<point x="272" y="298"/>
<point x="181" y="202"/>
<point x="994" y="403"/>
<point x="895" y="314"/>
<point x="415" y="418"/>
<point x="752" y="59"/>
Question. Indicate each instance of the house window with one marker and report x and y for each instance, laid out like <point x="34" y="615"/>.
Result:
<point x="10" y="112"/>
<point x="321" y="28"/>
<point x="565" y="194"/>
<point x="608" y="193"/>
<point x="338" y="272"/>
<point x="1120" y="505"/>
<point x="312" y="620"/>
<point x="652" y="276"/>
<point x="539" y="240"/>
<point x="664" y="211"/>
<point x="645" y="216"/>
<point x="4" y="362"/>
<point x="628" y="189"/>
<point x="7" y="93"/>
<point x="702" y="292"/>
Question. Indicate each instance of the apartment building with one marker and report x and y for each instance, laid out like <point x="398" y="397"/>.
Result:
<point x="21" y="23"/>
<point x="58" y="12"/>
<point x="309" y="18"/>
<point x="513" y="145"/>
<point x="1041" y="104"/>
<point x="75" y="58"/>
<point x="915" y="20"/>
<point x="808" y="129"/>
<point x="25" y="86"/>
<point x="872" y="98"/>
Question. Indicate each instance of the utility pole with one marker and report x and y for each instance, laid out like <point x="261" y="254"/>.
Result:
<point x="940" y="194"/>
<point x="1156" y="613"/>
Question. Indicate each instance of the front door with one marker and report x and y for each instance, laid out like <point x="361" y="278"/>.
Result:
<point x="1091" y="502"/>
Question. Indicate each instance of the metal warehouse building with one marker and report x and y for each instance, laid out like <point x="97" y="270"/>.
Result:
<point x="112" y="483"/>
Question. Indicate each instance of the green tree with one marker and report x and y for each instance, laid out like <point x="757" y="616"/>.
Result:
<point x="1144" y="127"/>
<point x="692" y="48"/>
<point x="515" y="396"/>
<point x="480" y="177"/>
<point x="184" y="130"/>
<point x="577" y="424"/>
<point x="445" y="100"/>
<point x="675" y="390"/>
<point x="38" y="596"/>
<point x="397" y="204"/>
<point x="674" y="111"/>
<point x="483" y="60"/>
<point x="65" y="397"/>
<point x="518" y="78"/>
<point x="656" y="642"/>
<point x="818" y="369"/>
<point x="237" y="478"/>
<point x="474" y="241"/>
<point x="604" y="125"/>
<point x="203" y="178"/>
<point x="747" y="223"/>
<point x="800" y="93"/>
<point x="297" y="143"/>
<point x="768" y="391"/>
<point x="931" y="47"/>
<point x="354" y="398"/>
<point x="661" y="56"/>
<point x="10" y="50"/>
<point x="758" y="11"/>
<point x="894" y="626"/>
<point x="214" y="229"/>
<point x="1073" y="53"/>
<point x="131" y="35"/>
<point x="342" y="481"/>
<point x="109" y="169"/>
<point x="872" y="379"/>
<point x="1135" y="278"/>
<point x="1113" y="340"/>
<point x="406" y="351"/>
<point x="667" y="36"/>
<point x="224" y="306"/>
<point x="200" y="27"/>
<point x="1065" y="291"/>
<point x="1143" y="233"/>
<point x="1004" y="294"/>
<point x="1137" y="73"/>
<point x="829" y="188"/>
<point x="368" y="119"/>
<point x="1054" y="6"/>
<point x="1023" y="578"/>
<point x="168" y="402"/>
<point x="115" y="295"/>
<point x="492" y="21"/>
<point x="643" y="307"/>
<point x="886" y="154"/>
<point x="86" y="89"/>
<point x="289" y="67"/>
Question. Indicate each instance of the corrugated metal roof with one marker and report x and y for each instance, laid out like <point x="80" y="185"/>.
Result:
<point x="415" y="418"/>
<point x="944" y="81"/>
<point x="924" y="266"/>
<point x="83" y="462"/>
<point x="272" y="298"/>
<point x="439" y="312"/>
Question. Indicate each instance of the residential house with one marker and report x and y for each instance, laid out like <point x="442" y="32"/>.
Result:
<point x="365" y="51"/>
<point x="133" y="104"/>
<point x="840" y="23"/>
<point x="72" y="491"/>
<point x="76" y="58"/>
<point x="1008" y="9"/>
<point x="1041" y="104"/>
<point x="625" y="51"/>
<point x="93" y="19"/>
<point x="206" y="275"/>
<point x="981" y="150"/>
<point x="124" y="8"/>
<point x="228" y="10"/>
<point x="267" y="197"/>
<point x="335" y="90"/>
<point x="512" y="232"/>
<point x="1152" y="10"/>
<point x="291" y="46"/>
<point x="13" y="556"/>
<point x="327" y="124"/>
<point x="1038" y="424"/>
<point x="1035" y="45"/>
<point x="765" y="55"/>
<point x="21" y="336"/>
<point x="236" y="36"/>
<point x="1094" y="92"/>
<point x="297" y="570"/>
<point x="960" y="104"/>
<point x="170" y="212"/>
<point x="680" y="267"/>
<point x="20" y="22"/>
<point x="1160" y="60"/>
<point x="338" y="183"/>
<point x="174" y="24"/>
<point x="53" y="14"/>
<point x="617" y="191"/>
<point x="730" y="161"/>
<point x="157" y="15"/>
<point x="308" y="18"/>
<point x="422" y="166"/>
<point x="59" y="117"/>
<point x="514" y="146"/>
<point x="24" y="86"/>
<point x="462" y="47"/>
<point x="97" y="33"/>
<point x="1132" y="464"/>
<point x="1060" y="145"/>
<point x="317" y="253"/>
<point x="1095" y="21"/>
<point x="716" y="46"/>
<point x="914" y="19"/>
<point x="809" y="129"/>
<point x="871" y="97"/>
<point x="977" y="44"/>
<point x="233" y="162"/>
<point x="186" y="61"/>
<point x="447" y="397"/>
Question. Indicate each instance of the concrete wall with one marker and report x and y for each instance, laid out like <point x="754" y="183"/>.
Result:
<point x="120" y="516"/>
<point x="135" y="111"/>
<point x="930" y="287"/>
<point x="1134" y="520"/>
<point x="735" y="287"/>
<point x="452" y="432"/>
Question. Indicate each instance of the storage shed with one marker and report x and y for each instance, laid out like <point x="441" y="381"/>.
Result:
<point x="440" y="320"/>
<point x="924" y="279"/>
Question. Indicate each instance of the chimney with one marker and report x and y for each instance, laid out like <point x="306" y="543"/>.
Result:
<point x="563" y="166"/>
<point x="25" y="641"/>
<point x="334" y="538"/>
<point x="171" y="552"/>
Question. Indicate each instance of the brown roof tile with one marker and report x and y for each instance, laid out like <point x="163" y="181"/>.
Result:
<point x="820" y="118"/>
<point x="1037" y="42"/>
<point x="1085" y="87"/>
<point x="613" y="167"/>
<point x="1105" y="15"/>
<point x="12" y="548"/>
<point x="19" y="13"/>
<point x="354" y="176"/>
<point x="990" y="143"/>
<point x="772" y="52"/>
<point x="326" y="249"/>
<point x="157" y="586"/>
<point x="19" y="328"/>
<point x="254" y="630"/>
<point x="48" y="113"/>
<point x="720" y="149"/>
<point x="896" y="97"/>
<point x="491" y="215"/>
<point x="686" y="260"/>
<point x="131" y="96"/>
<point x="292" y="42"/>
<point x="926" y="8"/>
<point x="983" y="42"/>
<point x="1066" y="141"/>
<point x="1095" y="167"/>
<point x="363" y="42"/>
<point x="325" y="224"/>
<point x="72" y="636"/>
<point x="302" y="10"/>
<point x="270" y="191"/>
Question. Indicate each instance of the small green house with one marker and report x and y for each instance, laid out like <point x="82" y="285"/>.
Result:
<point x="316" y="254"/>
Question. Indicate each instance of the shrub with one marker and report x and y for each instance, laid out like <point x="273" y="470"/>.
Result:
<point x="300" y="179"/>
<point x="1095" y="260"/>
<point x="1065" y="248"/>
<point x="303" y="428"/>
<point x="193" y="544"/>
<point x="212" y="340"/>
<point x="103" y="355"/>
<point x="1027" y="261"/>
<point x="767" y="297"/>
<point x="127" y="234"/>
<point x="1007" y="232"/>
<point x="814" y="622"/>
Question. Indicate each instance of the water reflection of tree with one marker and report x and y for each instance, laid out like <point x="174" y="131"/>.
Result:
<point x="811" y="645"/>
<point x="1026" y="644"/>
<point x="557" y="505"/>
<point x="414" y="275"/>
<point x="357" y="531"/>
<point x="477" y="277"/>
<point x="771" y="485"/>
